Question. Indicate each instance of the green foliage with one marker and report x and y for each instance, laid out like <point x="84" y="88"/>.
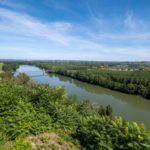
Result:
<point x="104" y="133"/>
<point x="7" y="70"/>
<point x="9" y="67"/>
<point x="135" y="82"/>
<point x="20" y="144"/>
<point x="27" y="109"/>
<point x="22" y="78"/>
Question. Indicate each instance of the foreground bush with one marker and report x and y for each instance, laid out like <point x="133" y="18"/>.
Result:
<point x="27" y="109"/>
<point x="104" y="133"/>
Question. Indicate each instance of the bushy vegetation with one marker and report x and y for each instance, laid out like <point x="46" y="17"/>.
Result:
<point x="29" y="109"/>
<point x="34" y="108"/>
<point x="132" y="82"/>
<point x="8" y="70"/>
<point x="10" y="67"/>
<point x="104" y="133"/>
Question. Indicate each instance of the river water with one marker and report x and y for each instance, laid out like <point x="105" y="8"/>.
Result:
<point x="133" y="108"/>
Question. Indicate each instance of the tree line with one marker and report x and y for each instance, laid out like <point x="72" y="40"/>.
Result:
<point x="131" y="82"/>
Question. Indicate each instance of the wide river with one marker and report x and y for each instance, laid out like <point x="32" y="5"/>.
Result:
<point x="133" y="108"/>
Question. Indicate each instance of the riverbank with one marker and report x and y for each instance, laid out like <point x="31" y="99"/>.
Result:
<point x="28" y="110"/>
<point x="123" y="89"/>
<point x="130" y="107"/>
<point x="135" y="82"/>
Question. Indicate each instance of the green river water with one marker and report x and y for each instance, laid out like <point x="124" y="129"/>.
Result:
<point x="131" y="107"/>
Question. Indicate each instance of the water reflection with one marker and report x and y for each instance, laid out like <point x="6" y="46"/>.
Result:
<point x="132" y="107"/>
<point x="135" y="101"/>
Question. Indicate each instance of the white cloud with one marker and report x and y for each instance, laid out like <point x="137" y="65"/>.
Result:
<point x="65" y="40"/>
<point x="129" y="22"/>
<point x="103" y="53"/>
<point x="24" y="24"/>
<point x="134" y="24"/>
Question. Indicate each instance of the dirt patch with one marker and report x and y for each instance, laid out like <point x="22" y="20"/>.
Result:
<point x="49" y="141"/>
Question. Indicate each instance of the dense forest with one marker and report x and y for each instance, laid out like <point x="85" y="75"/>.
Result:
<point x="33" y="115"/>
<point x="130" y="81"/>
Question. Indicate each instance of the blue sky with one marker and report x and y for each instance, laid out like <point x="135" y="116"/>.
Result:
<point x="101" y="30"/>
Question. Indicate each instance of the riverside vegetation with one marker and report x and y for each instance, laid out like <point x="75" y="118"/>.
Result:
<point x="32" y="115"/>
<point x="124" y="79"/>
<point x="1" y="65"/>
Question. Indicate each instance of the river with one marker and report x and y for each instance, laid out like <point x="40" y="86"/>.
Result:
<point x="131" y="107"/>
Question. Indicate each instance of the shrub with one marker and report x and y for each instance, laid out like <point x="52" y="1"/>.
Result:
<point x="105" y="133"/>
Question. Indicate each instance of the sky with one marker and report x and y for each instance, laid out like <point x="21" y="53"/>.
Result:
<point x="93" y="30"/>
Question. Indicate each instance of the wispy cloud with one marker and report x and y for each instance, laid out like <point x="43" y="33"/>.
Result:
<point x="65" y="40"/>
<point x="129" y="22"/>
<point x="24" y="24"/>
<point x="128" y="28"/>
<point x="134" y="24"/>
